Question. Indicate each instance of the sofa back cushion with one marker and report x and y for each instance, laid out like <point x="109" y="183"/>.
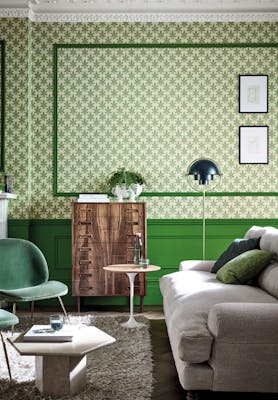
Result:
<point x="269" y="241"/>
<point x="268" y="279"/>
<point x="256" y="231"/>
<point x="268" y="235"/>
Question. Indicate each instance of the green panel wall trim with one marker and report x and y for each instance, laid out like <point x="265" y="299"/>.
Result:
<point x="169" y="241"/>
<point x="123" y="88"/>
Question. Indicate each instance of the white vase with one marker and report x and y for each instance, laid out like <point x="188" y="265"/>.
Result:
<point x="134" y="191"/>
<point x="122" y="192"/>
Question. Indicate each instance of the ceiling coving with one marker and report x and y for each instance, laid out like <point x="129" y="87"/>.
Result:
<point x="144" y="10"/>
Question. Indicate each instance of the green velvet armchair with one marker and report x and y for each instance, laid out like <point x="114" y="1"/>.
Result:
<point x="7" y="319"/>
<point x="24" y="274"/>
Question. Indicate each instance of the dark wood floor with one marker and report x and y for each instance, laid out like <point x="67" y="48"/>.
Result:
<point x="166" y="383"/>
<point x="165" y="376"/>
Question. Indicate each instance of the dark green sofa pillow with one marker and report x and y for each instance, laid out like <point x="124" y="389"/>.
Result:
<point x="237" y="247"/>
<point x="243" y="268"/>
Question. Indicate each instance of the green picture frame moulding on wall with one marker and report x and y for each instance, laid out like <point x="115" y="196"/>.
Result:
<point x="64" y="76"/>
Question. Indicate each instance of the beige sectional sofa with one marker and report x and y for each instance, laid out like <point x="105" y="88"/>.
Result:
<point x="224" y="337"/>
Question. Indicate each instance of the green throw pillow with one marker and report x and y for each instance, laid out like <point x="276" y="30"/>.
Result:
<point x="244" y="267"/>
<point x="237" y="247"/>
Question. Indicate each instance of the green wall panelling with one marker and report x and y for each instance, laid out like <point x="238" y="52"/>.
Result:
<point x="169" y="242"/>
<point x="53" y="237"/>
<point x="19" y="228"/>
<point x="154" y="296"/>
<point x="163" y="226"/>
<point x="220" y="233"/>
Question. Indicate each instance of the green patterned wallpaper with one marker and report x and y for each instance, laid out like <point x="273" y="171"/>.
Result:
<point x="17" y="146"/>
<point x="193" y="113"/>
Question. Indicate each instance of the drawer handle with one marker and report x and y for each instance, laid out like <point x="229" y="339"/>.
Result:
<point x="84" y="262"/>
<point x="85" y="274"/>
<point x="85" y="249"/>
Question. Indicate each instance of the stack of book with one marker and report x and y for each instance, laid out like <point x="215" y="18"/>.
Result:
<point x="44" y="333"/>
<point x="93" y="198"/>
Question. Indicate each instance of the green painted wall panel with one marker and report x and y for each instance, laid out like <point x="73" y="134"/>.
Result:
<point x="169" y="242"/>
<point x="168" y="250"/>
<point x="19" y="228"/>
<point x="53" y="237"/>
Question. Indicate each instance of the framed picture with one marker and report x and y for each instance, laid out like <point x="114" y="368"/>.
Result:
<point x="253" y="93"/>
<point x="253" y="144"/>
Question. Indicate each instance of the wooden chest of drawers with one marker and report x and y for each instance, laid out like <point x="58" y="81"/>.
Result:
<point x="103" y="234"/>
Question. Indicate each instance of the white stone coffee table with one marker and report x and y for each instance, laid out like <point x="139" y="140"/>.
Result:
<point x="61" y="367"/>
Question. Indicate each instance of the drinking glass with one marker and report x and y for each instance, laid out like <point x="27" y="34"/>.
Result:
<point x="56" y="322"/>
<point x="144" y="263"/>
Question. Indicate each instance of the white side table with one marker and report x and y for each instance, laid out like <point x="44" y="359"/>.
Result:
<point x="4" y="201"/>
<point x="131" y="270"/>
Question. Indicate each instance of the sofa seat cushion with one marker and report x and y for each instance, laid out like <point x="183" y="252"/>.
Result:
<point x="188" y="297"/>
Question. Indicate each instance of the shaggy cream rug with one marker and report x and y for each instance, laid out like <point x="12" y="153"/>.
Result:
<point x="122" y="370"/>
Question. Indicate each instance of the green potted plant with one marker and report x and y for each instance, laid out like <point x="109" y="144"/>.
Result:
<point x="125" y="184"/>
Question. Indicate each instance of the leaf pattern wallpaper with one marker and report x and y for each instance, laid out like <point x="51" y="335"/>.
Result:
<point x="151" y="109"/>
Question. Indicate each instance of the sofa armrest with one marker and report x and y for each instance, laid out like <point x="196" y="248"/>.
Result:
<point x="197" y="265"/>
<point x="244" y="322"/>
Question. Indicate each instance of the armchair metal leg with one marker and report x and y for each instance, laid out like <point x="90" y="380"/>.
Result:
<point x="6" y="355"/>
<point x="63" y="307"/>
<point x="32" y="309"/>
<point x="14" y="312"/>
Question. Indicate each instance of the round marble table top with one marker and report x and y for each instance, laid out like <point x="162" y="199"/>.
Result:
<point x="128" y="268"/>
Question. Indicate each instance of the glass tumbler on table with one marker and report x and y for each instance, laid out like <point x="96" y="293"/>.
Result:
<point x="56" y="322"/>
<point x="144" y="263"/>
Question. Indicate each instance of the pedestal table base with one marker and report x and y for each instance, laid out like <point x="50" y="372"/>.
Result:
<point x="60" y="375"/>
